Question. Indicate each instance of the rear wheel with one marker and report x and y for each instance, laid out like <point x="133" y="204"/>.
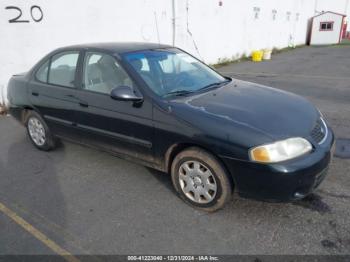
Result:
<point x="39" y="132"/>
<point x="200" y="179"/>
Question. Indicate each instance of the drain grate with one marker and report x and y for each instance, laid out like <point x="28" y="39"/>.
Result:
<point x="342" y="148"/>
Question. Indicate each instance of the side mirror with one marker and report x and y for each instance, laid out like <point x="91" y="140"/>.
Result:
<point x="125" y="93"/>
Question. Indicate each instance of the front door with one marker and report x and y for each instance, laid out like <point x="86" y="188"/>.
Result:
<point x="123" y="127"/>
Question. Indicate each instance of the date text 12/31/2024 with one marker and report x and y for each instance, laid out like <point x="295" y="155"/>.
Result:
<point x="172" y="258"/>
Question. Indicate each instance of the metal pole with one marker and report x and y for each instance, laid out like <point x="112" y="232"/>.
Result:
<point x="173" y="21"/>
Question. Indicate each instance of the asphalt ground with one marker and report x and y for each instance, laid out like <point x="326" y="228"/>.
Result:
<point x="88" y="202"/>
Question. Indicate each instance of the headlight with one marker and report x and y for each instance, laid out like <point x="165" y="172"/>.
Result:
<point x="280" y="150"/>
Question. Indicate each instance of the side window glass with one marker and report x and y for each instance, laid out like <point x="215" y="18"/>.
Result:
<point x="102" y="73"/>
<point x="63" y="67"/>
<point x="41" y="74"/>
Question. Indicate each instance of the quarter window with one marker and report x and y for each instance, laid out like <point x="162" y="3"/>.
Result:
<point x="62" y="69"/>
<point x="41" y="74"/>
<point x="326" y="26"/>
<point x="102" y="73"/>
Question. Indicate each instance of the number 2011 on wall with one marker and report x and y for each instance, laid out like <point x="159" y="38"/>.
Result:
<point x="35" y="12"/>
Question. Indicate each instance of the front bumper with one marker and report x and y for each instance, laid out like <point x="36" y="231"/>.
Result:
<point x="286" y="181"/>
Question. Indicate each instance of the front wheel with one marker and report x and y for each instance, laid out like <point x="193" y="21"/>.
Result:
<point x="39" y="132"/>
<point x="200" y="179"/>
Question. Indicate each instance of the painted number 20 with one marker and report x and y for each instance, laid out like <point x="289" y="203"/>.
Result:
<point x="35" y="12"/>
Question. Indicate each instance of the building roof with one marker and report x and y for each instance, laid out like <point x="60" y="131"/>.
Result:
<point x="118" y="47"/>
<point x="329" y="12"/>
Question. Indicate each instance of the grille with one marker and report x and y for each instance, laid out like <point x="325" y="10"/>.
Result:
<point x="319" y="132"/>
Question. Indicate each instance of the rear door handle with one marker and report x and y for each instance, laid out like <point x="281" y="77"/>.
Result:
<point x="35" y="93"/>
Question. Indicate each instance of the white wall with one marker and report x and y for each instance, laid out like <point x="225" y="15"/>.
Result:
<point x="226" y="31"/>
<point x="326" y="37"/>
<point x="68" y="22"/>
<point x="231" y="30"/>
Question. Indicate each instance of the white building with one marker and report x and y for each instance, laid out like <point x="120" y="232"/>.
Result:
<point x="327" y="28"/>
<point x="209" y="29"/>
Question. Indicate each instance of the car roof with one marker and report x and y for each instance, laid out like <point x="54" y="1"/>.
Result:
<point x="118" y="47"/>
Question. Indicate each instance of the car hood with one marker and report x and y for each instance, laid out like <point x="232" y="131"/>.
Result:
<point x="275" y="113"/>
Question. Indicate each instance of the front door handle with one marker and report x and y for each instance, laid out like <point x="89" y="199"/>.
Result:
<point x="35" y="93"/>
<point x="81" y="102"/>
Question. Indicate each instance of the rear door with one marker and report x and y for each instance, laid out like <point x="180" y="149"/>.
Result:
<point x="52" y="91"/>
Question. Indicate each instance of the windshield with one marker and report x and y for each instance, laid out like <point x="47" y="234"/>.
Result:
<point x="172" y="72"/>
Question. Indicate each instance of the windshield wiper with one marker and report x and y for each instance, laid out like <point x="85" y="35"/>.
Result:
<point x="179" y="93"/>
<point x="186" y="92"/>
<point x="216" y="84"/>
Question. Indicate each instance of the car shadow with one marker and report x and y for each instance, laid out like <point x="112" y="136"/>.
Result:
<point x="163" y="178"/>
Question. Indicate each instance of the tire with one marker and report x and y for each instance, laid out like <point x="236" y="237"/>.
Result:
<point x="201" y="180"/>
<point x="38" y="132"/>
